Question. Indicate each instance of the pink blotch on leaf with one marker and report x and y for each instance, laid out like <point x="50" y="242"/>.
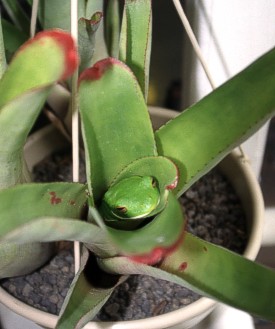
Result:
<point x="54" y="199"/>
<point x="174" y="184"/>
<point x="158" y="253"/>
<point x="183" y="266"/>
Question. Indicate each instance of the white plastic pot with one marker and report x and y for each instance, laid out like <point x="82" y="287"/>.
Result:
<point x="241" y="177"/>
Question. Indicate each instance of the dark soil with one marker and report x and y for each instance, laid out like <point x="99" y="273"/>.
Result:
<point x="214" y="213"/>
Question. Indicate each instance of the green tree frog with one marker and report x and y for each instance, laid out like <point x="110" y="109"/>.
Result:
<point x="133" y="197"/>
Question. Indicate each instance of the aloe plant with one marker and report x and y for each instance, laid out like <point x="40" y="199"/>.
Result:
<point x="127" y="216"/>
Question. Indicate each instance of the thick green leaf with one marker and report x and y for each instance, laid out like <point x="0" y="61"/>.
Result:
<point x="152" y="241"/>
<point x="243" y="284"/>
<point x="198" y="265"/>
<point x="112" y="27"/>
<point x="125" y="266"/>
<point x="135" y="48"/>
<point x="47" y="58"/>
<point x="86" y="39"/>
<point x="47" y="212"/>
<point x="201" y="136"/>
<point x="161" y="168"/>
<point x="13" y="38"/>
<point x="23" y="259"/>
<point x="24" y="88"/>
<point x="17" y="118"/>
<point x="101" y="51"/>
<point x="17" y="15"/>
<point x="92" y="6"/>
<point x="50" y="229"/>
<point x="3" y="62"/>
<point x="56" y="14"/>
<point x="15" y="125"/>
<point x="89" y="291"/>
<point x="22" y="203"/>
<point x="116" y="125"/>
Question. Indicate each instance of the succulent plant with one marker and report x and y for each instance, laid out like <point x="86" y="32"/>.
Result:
<point x="127" y="216"/>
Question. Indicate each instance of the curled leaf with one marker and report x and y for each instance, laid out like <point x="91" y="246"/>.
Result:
<point x="150" y="243"/>
<point x="86" y="38"/>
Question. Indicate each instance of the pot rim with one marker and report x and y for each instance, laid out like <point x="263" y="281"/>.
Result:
<point x="198" y="309"/>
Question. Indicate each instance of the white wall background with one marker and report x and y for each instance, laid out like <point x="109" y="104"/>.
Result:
<point x="232" y="34"/>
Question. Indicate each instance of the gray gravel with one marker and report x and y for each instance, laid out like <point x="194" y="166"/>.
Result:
<point x="214" y="214"/>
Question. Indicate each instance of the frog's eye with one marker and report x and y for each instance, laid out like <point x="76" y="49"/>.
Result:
<point x="154" y="182"/>
<point x="121" y="209"/>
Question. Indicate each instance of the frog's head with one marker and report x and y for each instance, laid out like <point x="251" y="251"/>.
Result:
<point x="132" y="198"/>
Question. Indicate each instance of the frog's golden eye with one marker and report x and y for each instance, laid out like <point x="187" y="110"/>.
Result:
<point x="121" y="209"/>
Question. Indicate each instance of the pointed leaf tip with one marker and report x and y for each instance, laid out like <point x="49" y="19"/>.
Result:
<point x="66" y="43"/>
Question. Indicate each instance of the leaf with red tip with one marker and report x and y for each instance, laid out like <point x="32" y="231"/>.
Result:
<point x="24" y="88"/>
<point x="154" y="240"/>
<point x="211" y="271"/>
<point x="116" y="125"/>
<point x="43" y="60"/>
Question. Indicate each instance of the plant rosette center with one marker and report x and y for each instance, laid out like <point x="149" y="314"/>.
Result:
<point x="142" y="216"/>
<point x="131" y="199"/>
